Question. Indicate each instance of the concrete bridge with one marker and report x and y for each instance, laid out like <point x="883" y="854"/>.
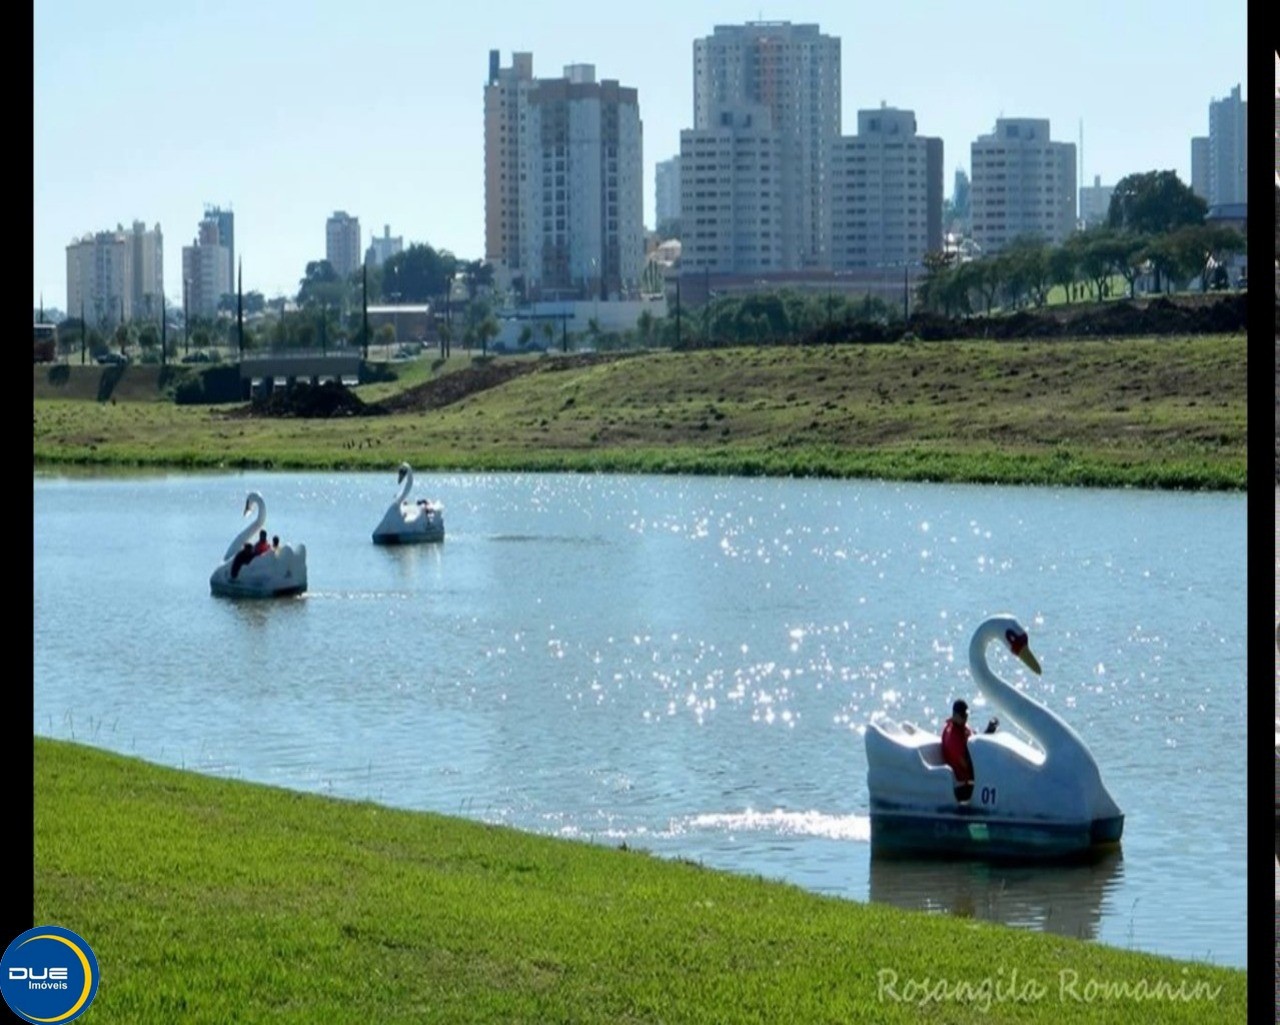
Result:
<point x="312" y="367"/>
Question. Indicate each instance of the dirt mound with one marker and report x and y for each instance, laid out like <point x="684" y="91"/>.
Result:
<point x="311" y="401"/>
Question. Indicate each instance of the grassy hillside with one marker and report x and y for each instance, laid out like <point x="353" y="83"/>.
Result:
<point x="211" y="901"/>
<point x="1147" y="412"/>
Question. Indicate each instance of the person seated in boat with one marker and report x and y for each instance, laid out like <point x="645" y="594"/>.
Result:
<point x="955" y="748"/>
<point x="242" y="557"/>
<point x="275" y="543"/>
<point x="263" y="546"/>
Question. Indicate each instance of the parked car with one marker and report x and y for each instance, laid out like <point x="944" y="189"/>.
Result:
<point x="197" y="357"/>
<point x="117" y="358"/>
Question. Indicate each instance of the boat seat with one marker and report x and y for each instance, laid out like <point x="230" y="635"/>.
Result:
<point x="931" y="754"/>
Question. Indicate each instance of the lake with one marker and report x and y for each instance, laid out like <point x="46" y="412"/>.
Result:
<point x="683" y="665"/>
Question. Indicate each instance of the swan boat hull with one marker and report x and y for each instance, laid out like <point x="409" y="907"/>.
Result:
<point x="432" y="534"/>
<point x="962" y="831"/>
<point x="234" y="589"/>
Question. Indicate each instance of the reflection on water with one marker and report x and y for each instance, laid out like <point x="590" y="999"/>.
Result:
<point x="1063" y="899"/>
<point x="683" y="665"/>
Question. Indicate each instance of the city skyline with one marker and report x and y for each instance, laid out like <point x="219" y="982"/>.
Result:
<point x="287" y="113"/>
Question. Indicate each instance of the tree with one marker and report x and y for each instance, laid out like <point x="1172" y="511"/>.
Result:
<point x="644" y="324"/>
<point x="1062" y="263"/>
<point x="419" y="274"/>
<point x="1153" y="203"/>
<point x="321" y="286"/>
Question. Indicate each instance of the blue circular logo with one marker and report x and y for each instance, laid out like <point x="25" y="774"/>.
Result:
<point x="48" y="974"/>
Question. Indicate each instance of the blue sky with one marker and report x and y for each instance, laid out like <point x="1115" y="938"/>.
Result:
<point x="286" y="111"/>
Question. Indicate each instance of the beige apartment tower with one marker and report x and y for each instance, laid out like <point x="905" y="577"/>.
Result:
<point x="564" y="192"/>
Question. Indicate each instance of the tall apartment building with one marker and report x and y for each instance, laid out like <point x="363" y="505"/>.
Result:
<point x="115" y="274"/>
<point x="886" y="193"/>
<point x="666" y="188"/>
<point x="1200" y="166"/>
<point x="731" y="207"/>
<point x="146" y="253"/>
<point x="1024" y="184"/>
<point x="342" y="243"/>
<point x="1228" y="150"/>
<point x="1095" y="202"/>
<point x="382" y="249"/>
<point x="100" y="278"/>
<point x="793" y="72"/>
<point x="225" y="220"/>
<point x="206" y="271"/>
<point x="564" y="194"/>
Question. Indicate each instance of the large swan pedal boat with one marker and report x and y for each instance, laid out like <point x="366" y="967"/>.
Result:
<point x="1029" y="802"/>
<point x="277" y="573"/>
<point x="408" y="523"/>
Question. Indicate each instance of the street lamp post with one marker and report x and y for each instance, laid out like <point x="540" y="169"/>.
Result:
<point x="186" y="318"/>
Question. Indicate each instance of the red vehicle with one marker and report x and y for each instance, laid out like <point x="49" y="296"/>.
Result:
<point x="46" y="343"/>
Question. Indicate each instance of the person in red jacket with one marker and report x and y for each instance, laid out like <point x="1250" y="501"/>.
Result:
<point x="955" y="748"/>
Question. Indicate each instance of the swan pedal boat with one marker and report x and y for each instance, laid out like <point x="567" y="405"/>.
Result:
<point x="408" y="523"/>
<point x="1045" y="802"/>
<point x="273" y="574"/>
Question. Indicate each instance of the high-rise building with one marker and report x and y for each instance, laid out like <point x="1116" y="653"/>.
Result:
<point x="886" y="193"/>
<point x="1095" y="202"/>
<point x="666" y="187"/>
<point x="116" y="275"/>
<point x="1200" y="166"/>
<point x="793" y="72"/>
<point x="382" y="249"/>
<point x="730" y="203"/>
<point x="564" y="194"/>
<point x="206" y="272"/>
<point x="1024" y="185"/>
<point x="1228" y="150"/>
<point x="226" y="223"/>
<point x="342" y="243"/>
<point x="100" y="278"/>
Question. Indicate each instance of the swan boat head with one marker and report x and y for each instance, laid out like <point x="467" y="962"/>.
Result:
<point x="1040" y="799"/>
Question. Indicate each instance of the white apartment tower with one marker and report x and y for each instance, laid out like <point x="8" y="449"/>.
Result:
<point x="1228" y="150"/>
<point x="886" y="193"/>
<point x="731" y="209"/>
<point x="342" y="243"/>
<point x="382" y="249"/>
<point x="564" y="190"/>
<point x="1024" y="185"/>
<point x="793" y="72"/>
<point x="666" y="184"/>
<point x="100" y="278"/>
<point x="116" y="274"/>
<point x="1095" y="202"/>
<point x="206" y="271"/>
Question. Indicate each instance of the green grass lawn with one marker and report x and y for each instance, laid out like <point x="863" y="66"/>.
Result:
<point x="211" y="901"/>
<point x="1143" y="412"/>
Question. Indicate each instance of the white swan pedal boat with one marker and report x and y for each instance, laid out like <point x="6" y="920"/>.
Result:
<point x="406" y="522"/>
<point x="273" y="574"/>
<point x="1028" y="802"/>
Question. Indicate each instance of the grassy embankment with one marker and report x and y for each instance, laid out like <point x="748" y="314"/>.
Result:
<point x="1145" y="412"/>
<point x="209" y="900"/>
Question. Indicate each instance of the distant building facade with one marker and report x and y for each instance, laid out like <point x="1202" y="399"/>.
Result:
<point x="342" y="243"/>
<point x="1024" y="184"/>
<point x="1228" y="150"/>
<point x="116" y="275"/>
<point x="206" y="272"/>
<point x="382" y="249"/>
<point x="1095" y="202"/>
<point x="225" y="220"/>
<point x="769" y="92"/>
<point x="1200" y="166"/>
<point x="666" y="186"/>
<point x="564" y="191"/>
<point x="886" y="193"/>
